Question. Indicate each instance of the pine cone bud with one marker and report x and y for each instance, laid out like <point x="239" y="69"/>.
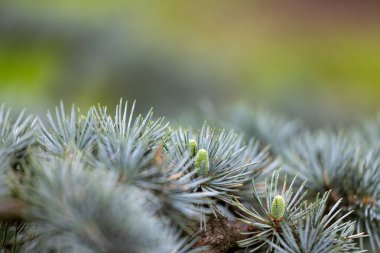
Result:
<point x="193" y="147"/>
<point x="202" y="165"/>
<point x="278" y="207"/>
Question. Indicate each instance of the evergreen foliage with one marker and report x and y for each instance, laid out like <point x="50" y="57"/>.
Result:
<point x="96" y="182"/>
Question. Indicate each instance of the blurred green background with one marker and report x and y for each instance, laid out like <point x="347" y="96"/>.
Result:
<point x="319" y="60"/>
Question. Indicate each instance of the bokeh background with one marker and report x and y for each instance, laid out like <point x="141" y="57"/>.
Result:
<point x="318" y="60"/>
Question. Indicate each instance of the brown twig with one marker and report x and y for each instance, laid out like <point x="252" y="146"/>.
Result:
<point x="11" y="209"/>
<point x="221" y="235"/>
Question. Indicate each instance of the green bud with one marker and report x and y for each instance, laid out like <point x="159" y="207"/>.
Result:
<point x="202" y="165"/>
<point x="193" y="147"/>
<point x="278" y="208"/>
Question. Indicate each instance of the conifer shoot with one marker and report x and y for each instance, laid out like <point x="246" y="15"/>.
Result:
<point x="202" y="165"/>
<point x="278" y="208"/>
<point x="193" y="147"/>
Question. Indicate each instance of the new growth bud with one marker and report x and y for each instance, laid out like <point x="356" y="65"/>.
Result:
<point x="193" y="147"/>
<point x="278" y="208"/>
<point x="202" y="165"/>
